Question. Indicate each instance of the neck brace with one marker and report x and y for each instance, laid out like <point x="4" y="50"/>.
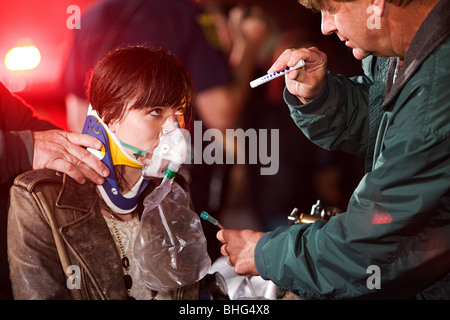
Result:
<point x="111" y="154"/>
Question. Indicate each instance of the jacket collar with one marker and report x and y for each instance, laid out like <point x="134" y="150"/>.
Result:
<point x="83" y="196"/>
<point x="76" y="196"/>
<point x="432" y="32"/>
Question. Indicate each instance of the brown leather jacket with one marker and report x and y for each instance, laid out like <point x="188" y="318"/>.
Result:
<point x="55" y="223"/>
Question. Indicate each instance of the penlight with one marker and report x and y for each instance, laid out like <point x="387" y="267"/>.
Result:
<point x="22" y="58"/>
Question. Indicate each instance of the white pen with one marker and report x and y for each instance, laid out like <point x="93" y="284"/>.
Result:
<point x="274" y="75"/>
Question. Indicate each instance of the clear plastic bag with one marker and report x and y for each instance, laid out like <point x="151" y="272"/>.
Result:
<point x="170" y="246"/>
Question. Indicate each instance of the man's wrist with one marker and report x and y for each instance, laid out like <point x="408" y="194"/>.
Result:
<point x="258" y="256"/>
<point x="313" y="107"/>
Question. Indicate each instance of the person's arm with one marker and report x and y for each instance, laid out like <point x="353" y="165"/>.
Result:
<point x="28" y="142"/>
<point x="52" y="149"/>
<point x="336" y="117"/>
<point x="16" y="153"/>
<point x="396" y="220"/>
<point x="66" y="152"/>
<point x="16" y="139"/>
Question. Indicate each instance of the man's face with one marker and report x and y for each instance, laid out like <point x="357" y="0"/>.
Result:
<point x="349" y="20"/>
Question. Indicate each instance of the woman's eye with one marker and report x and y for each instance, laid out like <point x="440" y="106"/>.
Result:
<point x="155" y="112"/>
<point x="179" y="112"/>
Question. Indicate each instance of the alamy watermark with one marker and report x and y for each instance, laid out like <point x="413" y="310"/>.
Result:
<point x="74" y="20"/>
<point x="236" y="146"/>
<point x="374" y="20"/>
<point x="74" y="277"/>
<point x="374" y="280"/>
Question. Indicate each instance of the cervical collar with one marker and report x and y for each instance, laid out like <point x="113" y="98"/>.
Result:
<point x="112" y="154"/>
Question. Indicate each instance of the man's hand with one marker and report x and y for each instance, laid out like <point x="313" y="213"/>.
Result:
<point x="306" y="83"/>
<point x="66" y="152"/>
<point x="239" y="246"/>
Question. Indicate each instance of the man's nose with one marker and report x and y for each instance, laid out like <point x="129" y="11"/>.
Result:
<point x="328" y="26"/>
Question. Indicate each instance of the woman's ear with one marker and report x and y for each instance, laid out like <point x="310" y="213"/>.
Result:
<point x="113" y="125"/>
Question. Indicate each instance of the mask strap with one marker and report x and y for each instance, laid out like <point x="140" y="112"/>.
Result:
<point x="171" y="128"/>
<point x="136" y="151"/>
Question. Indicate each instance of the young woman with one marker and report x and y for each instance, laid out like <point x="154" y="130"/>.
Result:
<point x="71" y="241"/>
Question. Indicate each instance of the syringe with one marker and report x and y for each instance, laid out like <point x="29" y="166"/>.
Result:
<point x="205" y="215"/>
<point x="274" y="75"/>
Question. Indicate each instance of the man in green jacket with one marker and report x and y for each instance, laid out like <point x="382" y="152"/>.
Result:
<point x="393" y="241"/>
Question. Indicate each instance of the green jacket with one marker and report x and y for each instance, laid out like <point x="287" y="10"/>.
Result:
<point x="397" y="224"/>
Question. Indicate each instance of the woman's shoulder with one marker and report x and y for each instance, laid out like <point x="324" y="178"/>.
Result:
<point x="31" y="179"/>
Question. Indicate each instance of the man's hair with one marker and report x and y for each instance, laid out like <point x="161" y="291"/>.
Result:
<point x="143" y="77"/>
<point x="316" y="5"/>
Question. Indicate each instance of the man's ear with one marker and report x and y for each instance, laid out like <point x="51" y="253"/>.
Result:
<point x="379" y="6"/>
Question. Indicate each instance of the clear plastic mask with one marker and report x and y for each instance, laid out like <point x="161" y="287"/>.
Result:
<point x="170" y="153"/>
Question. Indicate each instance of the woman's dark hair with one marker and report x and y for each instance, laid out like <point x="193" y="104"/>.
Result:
<point x="143" y="77"/>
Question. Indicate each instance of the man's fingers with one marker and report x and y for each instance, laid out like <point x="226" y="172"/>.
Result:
<point x="89" y="163"/>
<point x="290" y="58"/>
<point x="223" y="250"/>
<point x="86" y="169"/>
<point x="65" y="152"/>
<point x="84" y="140"/>
<point x="239" y="246"/>
<point x="69" y="168"/>
<point x="293" y="74"/>
<point x="281" y="63"/>
<point x="88" y="160"/>
<point x="77" y="170"/>
<point x="220" y="237"/>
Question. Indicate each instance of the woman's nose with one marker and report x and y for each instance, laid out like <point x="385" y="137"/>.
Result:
<point x="170" y="123"/>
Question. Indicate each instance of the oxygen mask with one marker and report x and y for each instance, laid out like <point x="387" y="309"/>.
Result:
<point x="171" y="151"/>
